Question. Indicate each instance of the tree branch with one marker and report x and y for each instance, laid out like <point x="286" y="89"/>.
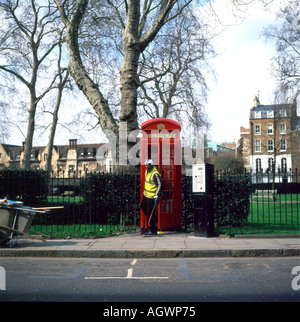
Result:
<point x="62" y="12"/>
<point x="22" y="79"/>
<point x="118" y="15"/>
<point x="160" y="21"/>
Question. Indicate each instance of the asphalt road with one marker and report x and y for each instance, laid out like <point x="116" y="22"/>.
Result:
<point x="150" y="280"/>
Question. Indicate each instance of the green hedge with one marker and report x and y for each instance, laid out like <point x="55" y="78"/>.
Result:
<point x="187" y="202"/>
<point x="111" y="195"/>
<point x="232" y="199"/>
<point x="29" y="186"/>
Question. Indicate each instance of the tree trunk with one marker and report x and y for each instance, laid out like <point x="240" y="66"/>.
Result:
<point x="25" y="164"/>
<point x="77" y="70"/>
<point x="61" y="85"/>
<point x="54" y="122"/>
<point x="134" y="43"/>
<point x="128" y="73"/>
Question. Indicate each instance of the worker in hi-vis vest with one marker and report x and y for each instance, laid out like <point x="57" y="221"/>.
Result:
<point x="152" y="190"/>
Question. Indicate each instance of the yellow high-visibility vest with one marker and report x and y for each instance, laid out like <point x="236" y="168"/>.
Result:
<point x="150" y="186"/>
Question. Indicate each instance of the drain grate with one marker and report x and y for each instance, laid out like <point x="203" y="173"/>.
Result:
<point x="245" y="265"/>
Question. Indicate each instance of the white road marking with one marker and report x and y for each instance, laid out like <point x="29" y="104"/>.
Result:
<point x="129" y="276"/>
<point x="125" y="278"/>
<point x="133" y="262"/>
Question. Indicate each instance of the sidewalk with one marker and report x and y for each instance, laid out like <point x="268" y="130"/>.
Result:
<point x="168" y="245"/>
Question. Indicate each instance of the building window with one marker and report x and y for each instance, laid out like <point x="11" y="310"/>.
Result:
<point x="258" y="165"/>
<point x="257" y="115"/>
<point x="270" y="164"/>
<point x="283" y="113"/>
<point x="270" y="114"/>
<point x="283" y="145"/>
<point x="270" y="145"/>
<point x="282" y="128"/>
<point x="257" y="129"/>
<point x="269" y="128"/>
<point x="257" y="146"/>
<point x="283" y="165"/>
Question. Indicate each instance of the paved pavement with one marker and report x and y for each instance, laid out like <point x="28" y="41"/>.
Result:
<point x="166" y="245"/>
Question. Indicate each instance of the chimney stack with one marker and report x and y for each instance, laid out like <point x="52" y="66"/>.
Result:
<point x="256" y="101"/>
<point x="73" y="144"/>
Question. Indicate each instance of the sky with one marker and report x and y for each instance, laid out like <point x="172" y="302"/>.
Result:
<point x="242" y="70"/>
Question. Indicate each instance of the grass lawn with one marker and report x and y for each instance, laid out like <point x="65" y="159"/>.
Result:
<point x="274" y="216"/>
<point x="279" y="198"/>
<point x="267" y="216"/>
<point x="61" y="199"/>
<point x="75" y="231"/>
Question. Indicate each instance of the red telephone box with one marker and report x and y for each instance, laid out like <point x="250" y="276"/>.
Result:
<point x="161" y="143"/>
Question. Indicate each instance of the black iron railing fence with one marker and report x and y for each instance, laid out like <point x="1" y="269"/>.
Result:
<point x="102" y="203"/>
<point x="273" y="203"/>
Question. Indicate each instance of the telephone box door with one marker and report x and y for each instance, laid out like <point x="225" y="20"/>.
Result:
<point x="161" y="143"/>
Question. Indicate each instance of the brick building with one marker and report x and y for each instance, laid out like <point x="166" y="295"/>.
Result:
<point x="274" y="137"/>
<point x="72" y="157"/>
<point x="243" y="148"/>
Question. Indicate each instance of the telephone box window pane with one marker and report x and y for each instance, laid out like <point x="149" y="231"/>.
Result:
<point x="153" y="153"/>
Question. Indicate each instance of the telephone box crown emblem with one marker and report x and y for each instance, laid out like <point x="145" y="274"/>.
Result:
<point x="161" y="126"/>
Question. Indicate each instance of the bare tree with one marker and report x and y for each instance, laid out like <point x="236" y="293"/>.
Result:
<point x="62" y="80"/>
<point x="173" y="72"/>
<point x="134" y="24"/>
<point x="286" y="61"/>
<point x="77" y="69"/>
<point x="227" y="162"/>
<point x="131" y="19"/>
<point x="4" y="133"/>
<point x="30" y="38"/>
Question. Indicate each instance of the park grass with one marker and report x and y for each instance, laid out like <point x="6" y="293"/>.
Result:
<point x="270" y="217"/>
<point x="295" y="198"/>
<point x="274" y="216"/>
<point x="81" y="231"/>
<point x="60" y="199"/>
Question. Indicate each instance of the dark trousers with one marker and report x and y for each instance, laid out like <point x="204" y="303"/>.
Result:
<point x="147" y="207"/>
